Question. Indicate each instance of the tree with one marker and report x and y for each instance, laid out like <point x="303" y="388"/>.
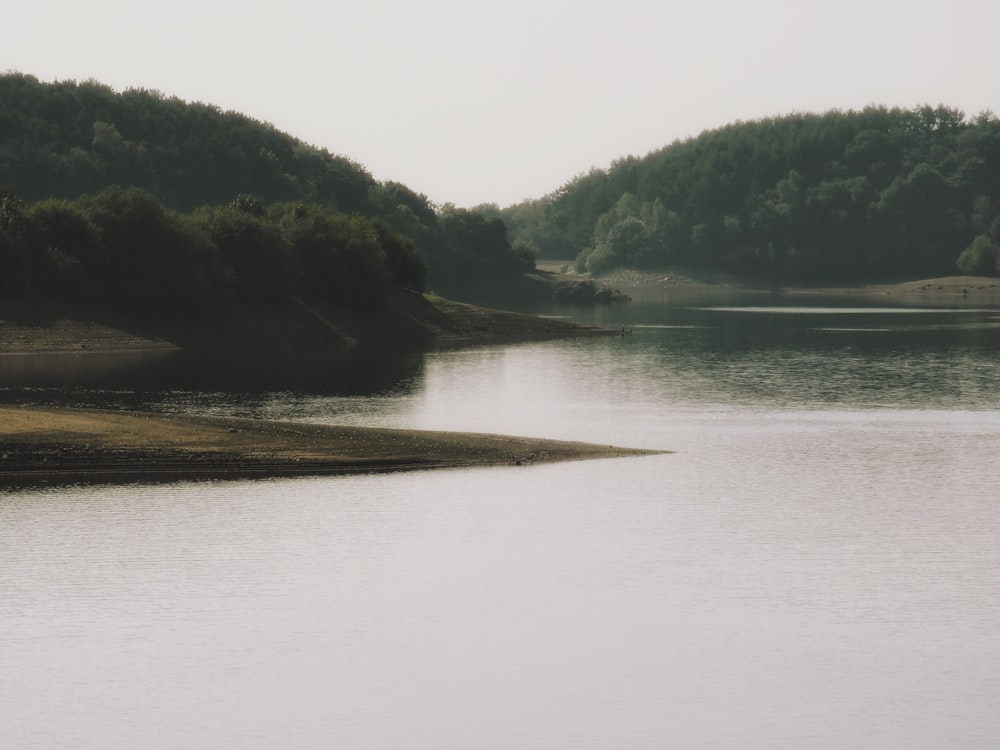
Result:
<point x="347" y="260"/>
<point x="259" y="258"/>
<point x="877" y="193"/>
<point x="12" y="272"/>
<point x="981" y="258"/>
<point x="67" y="257"/>
<point x="475" y="247"/>
<point x="403" y="259"/>
<point x="157" y="260"/>
<point x="628" y="241"/>
<point x="63" y="139"/>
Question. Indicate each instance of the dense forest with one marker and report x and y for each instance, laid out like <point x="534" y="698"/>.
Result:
<point x="876" y="194"/>
<point x="140" y="199"/>
<point x="121" y="247"/>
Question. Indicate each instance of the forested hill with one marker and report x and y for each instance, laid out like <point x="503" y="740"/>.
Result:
<point x="873" y="194"/>
<point x="138" y="198"/>
<point x="64" y="139"/>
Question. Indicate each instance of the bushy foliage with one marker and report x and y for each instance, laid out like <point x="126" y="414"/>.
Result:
<point x="71" y="258"/>
<point x="121" y="247"/>
<point x="463" y="247"/>
<point x="252" y="249"/>
<point x="872" y="194"/>
<point x="65" y="139"/>
<point x="981" y="258"/>
<point x="477" y="246"/>
<point x="68" y="140"/>
<point x="157" y="258"/>
<point x="340" y="257"/>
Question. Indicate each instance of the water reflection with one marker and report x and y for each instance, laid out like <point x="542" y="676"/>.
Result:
<point x="136" y="380"/>
<point x="810" y="357"/>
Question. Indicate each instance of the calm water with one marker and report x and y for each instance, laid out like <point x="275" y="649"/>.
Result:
<point x="815" y="567"/>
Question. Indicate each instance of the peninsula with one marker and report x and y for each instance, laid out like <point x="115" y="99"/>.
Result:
<point x="49" y="446"/>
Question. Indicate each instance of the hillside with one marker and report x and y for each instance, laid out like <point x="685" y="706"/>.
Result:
<point x="75" y="144"/>
<point x="66" y="139"/>
<point x="841" y="197"/>
<point x="877" y="194"/>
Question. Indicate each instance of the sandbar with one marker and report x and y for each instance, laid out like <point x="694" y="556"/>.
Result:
<point x="58" y="446"/>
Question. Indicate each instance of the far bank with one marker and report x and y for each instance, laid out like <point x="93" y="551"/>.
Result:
<point x="686" y="286"/>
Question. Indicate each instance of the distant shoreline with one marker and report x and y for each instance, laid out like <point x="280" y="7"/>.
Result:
<point x="944" y="291"/>
<point x="50" y="446"/>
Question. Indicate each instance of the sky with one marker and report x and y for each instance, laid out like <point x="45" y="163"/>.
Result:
<point x="471" y="102"/>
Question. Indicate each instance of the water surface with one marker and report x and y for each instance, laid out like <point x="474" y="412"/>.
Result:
<point x="815" y="567"/>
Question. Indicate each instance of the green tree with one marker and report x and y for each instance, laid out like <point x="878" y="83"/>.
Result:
<point x="403" y="259"/>
<point x="158" y="260"/>
<point x="12" y="271"/>
<point x="260" y="261"/>
<point x="475" y="246"/>
<point x="981" y="258"/>
<point x="345" y="260"/>
<point x="68" y="257"/>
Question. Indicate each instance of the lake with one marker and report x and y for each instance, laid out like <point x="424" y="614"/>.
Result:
<point x="815" y="566"/>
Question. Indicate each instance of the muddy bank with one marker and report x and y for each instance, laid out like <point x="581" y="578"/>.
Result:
<point x="41" y="446"/>
<point x="298" y="326"/>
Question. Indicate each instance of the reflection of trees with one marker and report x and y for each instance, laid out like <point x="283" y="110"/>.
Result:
<point x="357" y="371"/>
<point x="750" y="359"/>
<point x="134" y="380"/>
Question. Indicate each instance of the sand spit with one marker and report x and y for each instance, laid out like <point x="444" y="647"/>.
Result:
<point x="41" y="446"/>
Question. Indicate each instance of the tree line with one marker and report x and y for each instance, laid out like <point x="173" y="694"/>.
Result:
<point x="873" y="194"/>
<point x="230" y="204"/>
<point x="121" y="247"/>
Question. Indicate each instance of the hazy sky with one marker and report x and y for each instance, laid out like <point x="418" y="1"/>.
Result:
<point x="473" y="102"/>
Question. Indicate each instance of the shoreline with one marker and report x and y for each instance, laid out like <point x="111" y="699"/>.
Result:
<point x="958" y="291"/>
<point x="56" y="446"/>
<point x="43" y="326"/>
<point x="944" y="291"/>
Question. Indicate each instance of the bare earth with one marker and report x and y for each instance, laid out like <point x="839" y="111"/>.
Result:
<point x="61" y="446"/>
<point x="72" y="336"/>
<point x="947" y="291"/>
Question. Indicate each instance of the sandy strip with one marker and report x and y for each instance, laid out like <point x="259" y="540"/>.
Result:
<point x="41" y="446"/>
